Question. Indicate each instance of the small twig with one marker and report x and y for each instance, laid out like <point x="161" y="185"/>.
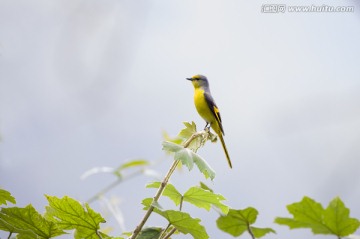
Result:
<point x="170" y="233"/>
<point x="157" y="196"/>
<point x="181" y="202"/>
<point x="164" y="231"/>
<point x="162" y="188"/>
<point x="10" y="235"/>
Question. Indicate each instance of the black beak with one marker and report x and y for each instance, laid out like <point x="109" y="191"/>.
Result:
<point x="190" y="79"/>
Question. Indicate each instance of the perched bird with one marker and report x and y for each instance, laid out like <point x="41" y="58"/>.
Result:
<point x="207" y="109"/>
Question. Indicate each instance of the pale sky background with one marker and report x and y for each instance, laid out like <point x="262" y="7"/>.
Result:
<point x="95" y="83"/>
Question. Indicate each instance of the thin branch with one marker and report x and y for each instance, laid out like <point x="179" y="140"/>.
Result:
<point x="164" y="231"/>
<point x="170" y="233"/>
<point x="157" y="196"/>
<point x="162" y="187"/>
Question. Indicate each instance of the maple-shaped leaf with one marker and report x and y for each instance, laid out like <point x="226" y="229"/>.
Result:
<point x="197" y="196"/>
<point x="205" y="199"/>
<point x="236" y="222"/>
<point x="70" y="214"/>
<point x="5" y="197"/>
<point x="28" y="223"/>
<point x="185" y="134"/>
<point x="182" y="221"/>
<point x="170" y="191"/>
<point x="308" y="213"/>
<point x="188" y="158"/>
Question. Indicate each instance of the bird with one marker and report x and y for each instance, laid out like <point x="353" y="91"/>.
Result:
<point x="207" y="109"/>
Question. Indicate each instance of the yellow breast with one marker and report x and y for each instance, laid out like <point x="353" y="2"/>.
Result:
<point x="202" y="106"/>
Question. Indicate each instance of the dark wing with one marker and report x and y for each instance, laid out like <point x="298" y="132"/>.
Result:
<point x="214" y="109"/>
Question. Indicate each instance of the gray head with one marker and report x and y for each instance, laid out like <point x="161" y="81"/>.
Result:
<point x="199" y="81"/>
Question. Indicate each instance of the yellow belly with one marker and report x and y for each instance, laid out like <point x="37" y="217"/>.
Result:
<point x="202" y="106"/>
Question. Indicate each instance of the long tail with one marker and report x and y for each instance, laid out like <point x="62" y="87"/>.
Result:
<point x="225" y="149"/>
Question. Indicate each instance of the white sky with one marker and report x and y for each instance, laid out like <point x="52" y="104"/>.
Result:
<point x="94" y="83"/>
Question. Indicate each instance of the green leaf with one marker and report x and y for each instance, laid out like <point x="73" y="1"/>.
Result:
<point x="310" y="214"/>
<point x="187" y="132"/>
<point x="180" y="220"/>
<point x="28" y="223"/>
<point x="184" y="223"/>
<point x="204" y="199"/>
<point x="190" y="129"/>
<point x="6" y="226"/>
<point x="170" y="191"/>
<point x="105" y="236"/>
<point x="133" y="163"/>
<point x="184" y="134"/>
<point x="147" y="202"/>
<point x="6" y="196"/>
<point x="336" y="218"/>
<point x="70" y="214"/>
<point x="203" y="166"/>
<point x="260" y="232"/>
<point x="204" y="186"/>
<point x="188" y="158"/>
<point x="150" y="233"/>
<point x="306" y="214"/>
<point x="185" y="156"/>
<point x="236" y="222"/>
<point x="171" y="147"/>
<point x="130" y="164"/>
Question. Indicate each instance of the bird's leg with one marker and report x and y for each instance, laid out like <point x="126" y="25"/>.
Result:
<point x="207" y="128"/>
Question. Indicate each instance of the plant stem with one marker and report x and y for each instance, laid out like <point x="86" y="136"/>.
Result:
<point x="164" y="231"/>
<point x="162" y="187"/>
<point x="170" y="233"/>
<point x="157" y="196"/>
<point x="250" y="231"/>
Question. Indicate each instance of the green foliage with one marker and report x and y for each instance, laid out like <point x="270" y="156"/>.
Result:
<point x="236" y="222"/>
<point x="188" y="158"/>
<point x="185" y="134"/>
<point x="61" y="215"/>
<point x="150" y="233"/>
<point x="64" y="215"/>
<point x="28" y="223"/>
<point x="182" y="221"/>
<point x="310" y="214"/>
<point x="131" y="164"/>
<point x="70" y="214"/>
<point x="134" y="163"/>
<point x="188" y="132"/>
<point x="204" y="186"/>
<point x="170" y="191"/>
<point x="205" y="199"/>
<point x="187" y="153"/>
<point x="5" y="196"/>
<point x="197" y="196"/>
